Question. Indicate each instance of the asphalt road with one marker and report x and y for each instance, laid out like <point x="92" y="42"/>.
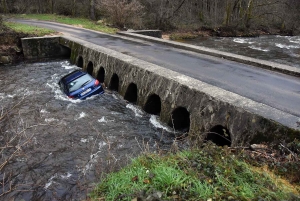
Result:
<point x="274" y="89"/>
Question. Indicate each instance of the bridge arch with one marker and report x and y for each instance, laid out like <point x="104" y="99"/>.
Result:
<point x="131" y="93"/>
<point x="114" y="83"/>
<point x="101" y="75"/>
<point x="180" y="119"/>
<point x="90" y="68"/>
<point x="219" y="135"/>
<point x="153" y="105"/>
<point x="79" y="62"/>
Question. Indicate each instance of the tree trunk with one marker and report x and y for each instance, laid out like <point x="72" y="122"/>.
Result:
<point x="92" y="10"/>
<point x="51" y="4"/>
<point x="228" y="13"/>
<point x="39" y="5"/>
<point x="249" y="14"/>
<point x="74" y="8"/>
<point x="4" y="6"/>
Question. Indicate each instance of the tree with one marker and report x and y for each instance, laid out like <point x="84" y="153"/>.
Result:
<point x="121" y="12"/>
<point x="4" y="6"/>
<point x="92" y="10"/>
<point x="51" y="6"/>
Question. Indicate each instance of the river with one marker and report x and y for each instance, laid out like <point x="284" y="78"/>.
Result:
<point x="65" y="146"/>
<point x="275" y="48"/>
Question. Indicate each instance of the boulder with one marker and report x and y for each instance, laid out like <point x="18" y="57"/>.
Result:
<point x="5" y="59"/>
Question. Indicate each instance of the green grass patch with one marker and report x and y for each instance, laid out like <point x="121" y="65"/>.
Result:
<point x="27" y="29"/>
<point x="79" y="22"/>
<point x="209" y="173"/>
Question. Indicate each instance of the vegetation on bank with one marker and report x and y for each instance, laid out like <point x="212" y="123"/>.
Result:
<point x="79" y="22"/>
<point x="210" y="173"/>
<point x="245" y="16"/>
<point x="10" y="43"/>
<point x="27" y="29"/>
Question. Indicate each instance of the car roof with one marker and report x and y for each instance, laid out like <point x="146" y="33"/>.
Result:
<point x="71" y="76"/>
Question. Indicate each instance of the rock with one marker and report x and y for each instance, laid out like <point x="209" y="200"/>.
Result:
<point x="99" y="22"/>
<point x="5" y="59"/>
<point x="258" y="146"/>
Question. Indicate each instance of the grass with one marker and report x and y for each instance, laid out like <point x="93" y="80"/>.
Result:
<point x="27" y="29"/>
<point x="210" y="173"/>
<point x="80" y="22"/>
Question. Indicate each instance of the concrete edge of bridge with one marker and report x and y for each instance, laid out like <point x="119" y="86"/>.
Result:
<point x="281" y="68"/>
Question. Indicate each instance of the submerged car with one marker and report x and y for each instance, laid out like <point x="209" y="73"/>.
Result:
<point x="80" y="85"/>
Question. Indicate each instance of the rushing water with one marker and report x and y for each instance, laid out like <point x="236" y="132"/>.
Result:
<point x="65" y="146"/>
<point x="280" y="49"/>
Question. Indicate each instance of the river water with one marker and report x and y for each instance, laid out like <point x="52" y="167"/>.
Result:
<point x="65" y="146"/>
<point x="279" y="49"/>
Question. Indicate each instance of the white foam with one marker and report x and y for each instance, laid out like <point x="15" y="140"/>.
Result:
<point x="66" y="65"/>
<point x="11" y="96"/>
<point x="282" y="46"/>
<point x="259" y="48"/>
<point x="43" y="111"/>
<point x="80" y="116"/>
<point x="102" y="120"/>
<point x="51" y="120"/>
<point x="90" y="163"/>
<point x="101" y="144"/>
<point x="157" y="124"/>
<point x="294" y="40"/>
<point x="83" y="140"/>
<point x="137" y="111"/>
<point x="240" y="40"/>
<point x="50" y="181"/>
<point x="115" y="97"/>
<point x="66" y="176"/>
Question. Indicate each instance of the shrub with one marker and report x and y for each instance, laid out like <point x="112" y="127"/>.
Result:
<point x="122" y="12"/>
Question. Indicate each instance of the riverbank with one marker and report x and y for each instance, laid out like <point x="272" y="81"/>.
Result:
<point x="10" y="43"/>
<point x="208" y="173"/>
<point x="182" y="34"/>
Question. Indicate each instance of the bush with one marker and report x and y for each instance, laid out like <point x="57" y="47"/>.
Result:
<point x="122" y="12"/>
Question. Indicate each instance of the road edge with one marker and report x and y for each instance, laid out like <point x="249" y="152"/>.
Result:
<point x="281" y="68"/>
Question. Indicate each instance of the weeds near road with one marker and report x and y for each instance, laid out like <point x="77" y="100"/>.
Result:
<point x="212" y="172"/>
<point x="79" y="22"/>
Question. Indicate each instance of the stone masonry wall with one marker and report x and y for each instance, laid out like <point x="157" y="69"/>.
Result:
<point x="43" y="47"/>
<point x="247" y="121"/>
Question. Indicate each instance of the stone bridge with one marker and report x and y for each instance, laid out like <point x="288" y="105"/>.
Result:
<point x="201" y="110"/>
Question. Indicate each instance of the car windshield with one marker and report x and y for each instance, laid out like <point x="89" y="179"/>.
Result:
<point x="79" y="82"/>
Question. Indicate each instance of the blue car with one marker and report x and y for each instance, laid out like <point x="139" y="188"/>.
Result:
<point x="80" y="85"/>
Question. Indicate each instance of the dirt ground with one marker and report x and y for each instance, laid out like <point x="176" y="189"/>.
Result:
<point x="10" y="45"/>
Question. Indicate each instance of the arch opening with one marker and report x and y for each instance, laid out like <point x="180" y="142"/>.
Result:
<point x="80" y="62"/>
<point x="90" y="68"/>
<point x="101" y="75"/>
<point x="219" y="135"/>
<point x="131" y="93"/>
<point x="114" y="83"/>
<point x="180" y="119"/>
<point x="153" y="105"/>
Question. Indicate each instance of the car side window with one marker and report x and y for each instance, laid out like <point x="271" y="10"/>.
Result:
<point x="62" y="87"/>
